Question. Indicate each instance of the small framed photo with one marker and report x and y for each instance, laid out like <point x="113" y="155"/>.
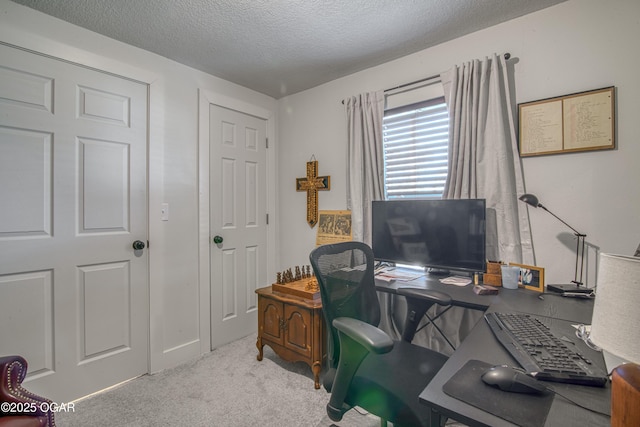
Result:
<point x="530" y="277"/>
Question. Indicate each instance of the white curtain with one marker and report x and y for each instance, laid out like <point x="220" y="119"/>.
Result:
<point x="365" y="164"/>
<point x="483" y="160"/>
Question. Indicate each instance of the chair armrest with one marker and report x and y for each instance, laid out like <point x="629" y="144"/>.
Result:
<point x="13" y="370"/>
<point x="371" y="338"/>
<point x="436" y="297"/>
<point x="357" y="340"/>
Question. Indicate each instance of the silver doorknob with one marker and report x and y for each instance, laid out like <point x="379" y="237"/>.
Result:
<point x="138" y="245"/>
<point x="217" y="240"/>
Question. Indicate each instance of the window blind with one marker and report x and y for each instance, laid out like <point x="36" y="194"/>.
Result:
<point x="416" y="144"/>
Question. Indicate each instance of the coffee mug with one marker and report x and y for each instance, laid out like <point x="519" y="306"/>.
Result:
<point x="510" y="275"/>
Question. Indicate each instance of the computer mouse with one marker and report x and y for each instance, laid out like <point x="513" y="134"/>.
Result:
<point x="510" y="379"/>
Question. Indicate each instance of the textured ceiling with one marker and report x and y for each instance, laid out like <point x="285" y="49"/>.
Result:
<point x="280" y="47"/>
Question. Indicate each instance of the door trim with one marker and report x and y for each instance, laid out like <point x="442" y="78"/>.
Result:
<point x="22" y="39"/>
<point x="205" y="98"/>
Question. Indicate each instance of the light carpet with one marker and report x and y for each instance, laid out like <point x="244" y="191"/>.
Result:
<point x="227" y="387"/>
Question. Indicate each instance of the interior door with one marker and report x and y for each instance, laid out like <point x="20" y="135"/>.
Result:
<point x="73" y="291"/>
<point x="238" y="211"/>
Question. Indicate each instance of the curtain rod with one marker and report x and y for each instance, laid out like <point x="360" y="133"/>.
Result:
<point x="506" y="56"/>
<point x="426" y="79"/>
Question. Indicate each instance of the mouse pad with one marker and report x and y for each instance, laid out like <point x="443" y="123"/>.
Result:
<point x="527" y="410"/>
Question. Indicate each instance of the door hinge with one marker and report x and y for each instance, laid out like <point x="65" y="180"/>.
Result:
<point x="267" y="142"/>
<point x="267" y="219"/>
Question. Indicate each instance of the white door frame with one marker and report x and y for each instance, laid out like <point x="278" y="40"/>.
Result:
<point x="205" y="98"/>
<point x="22" y="39"/>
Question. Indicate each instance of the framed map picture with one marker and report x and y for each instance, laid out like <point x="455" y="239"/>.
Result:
<point x="582" y="121"/>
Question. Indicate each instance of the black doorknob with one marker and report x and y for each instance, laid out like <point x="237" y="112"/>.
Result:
<point x="217" y="240"/>
<point x="138" y="245"/>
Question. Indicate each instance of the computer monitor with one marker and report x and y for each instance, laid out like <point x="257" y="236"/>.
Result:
<point x="443" y="235"/>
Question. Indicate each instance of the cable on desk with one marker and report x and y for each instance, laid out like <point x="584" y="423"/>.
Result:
<point x="578" y="404"/>
<point x="584" y="334"/>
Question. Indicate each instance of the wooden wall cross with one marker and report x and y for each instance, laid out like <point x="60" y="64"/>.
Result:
<point x="313" y="183"/>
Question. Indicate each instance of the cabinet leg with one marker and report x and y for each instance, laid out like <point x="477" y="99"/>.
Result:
<point x="316" y="374"/>
<point x="259" y="345"/>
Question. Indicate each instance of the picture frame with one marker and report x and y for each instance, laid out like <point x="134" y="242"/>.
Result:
<point x="334" y="227"/>
<point x="583" y="121"/>
<point x="530" y="277"/>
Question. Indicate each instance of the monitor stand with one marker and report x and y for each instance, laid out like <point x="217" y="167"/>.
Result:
<point x="439" y="271"/>
<point x="571" y="288"/>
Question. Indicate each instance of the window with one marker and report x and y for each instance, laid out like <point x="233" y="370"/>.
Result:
<point x="415" y="145"/>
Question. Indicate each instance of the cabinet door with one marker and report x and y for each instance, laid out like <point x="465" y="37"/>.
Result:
<point x="298" y="329"/>
<point x="270" y="319"/>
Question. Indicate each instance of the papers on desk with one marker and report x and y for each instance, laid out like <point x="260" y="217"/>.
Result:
<point x="456" y="280"/>
<point x="391" y="273"/>
<point x="356" y="268"/>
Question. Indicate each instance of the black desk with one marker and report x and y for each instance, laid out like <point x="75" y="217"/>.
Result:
<point x="559" y="312"/>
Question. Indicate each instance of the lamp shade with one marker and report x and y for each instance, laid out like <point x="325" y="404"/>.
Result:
<point x="530" y="199"/>
<point x="616" y="311"/>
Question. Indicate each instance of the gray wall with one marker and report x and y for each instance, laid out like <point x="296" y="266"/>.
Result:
<point x="575" y="46"/>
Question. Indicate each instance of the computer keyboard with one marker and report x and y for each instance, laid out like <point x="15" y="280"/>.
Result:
<point x="541" y="353"/>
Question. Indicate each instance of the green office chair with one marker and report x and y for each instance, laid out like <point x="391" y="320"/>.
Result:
<point x="366" y="368"/>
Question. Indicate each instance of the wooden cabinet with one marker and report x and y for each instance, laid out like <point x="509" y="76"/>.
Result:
<point x="293" y="327"/>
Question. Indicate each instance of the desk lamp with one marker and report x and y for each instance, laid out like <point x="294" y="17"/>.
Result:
<point x="575" y="287"/>
<point x="614" y="328"/>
